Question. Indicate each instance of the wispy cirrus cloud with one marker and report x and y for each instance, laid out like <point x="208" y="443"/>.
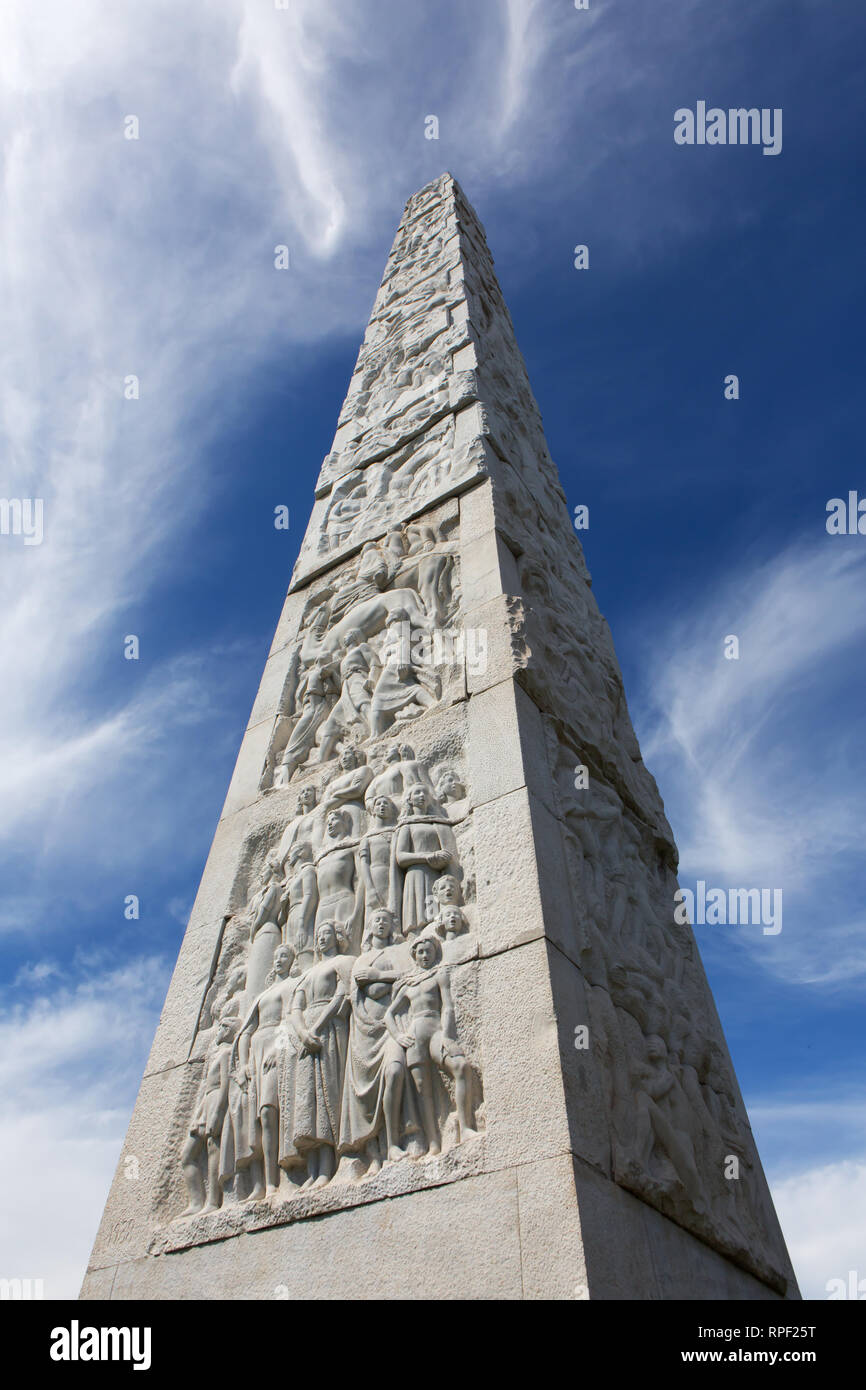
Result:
<point x="69" y="1068"/>
<point x="758" y="783"/>
<point x="127" y="257"/>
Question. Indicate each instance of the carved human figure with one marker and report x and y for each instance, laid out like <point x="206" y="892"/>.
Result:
<point x="348" y="786"/>
<point x="593" y="814"/>
<point x="633" y="917"/>
<point x="403" y="688"/>
<point x="257" y="1050"/>
<point x="301" y="899"/>
<point x="450" y="922"/>
<point x="316" y="691"/>
<point x="349" y="499"/>
<point x="733" y="1138"/>
<point x="402" y="770"/>
<point x="371" y="578"/>
<point x="640" y="995"/>
<point x="449" y="788"/>
<point x="336" y="875"/>
<point x="205" y="1131"/>
<point x="359" y="672"/>
<point x="421" y="852"/>
<point x="377" y="1108"/>
<point x="230" y="997"/>
<point x="264" y="913"/>
<point x="303" y="825"/>
<point x="394" y="544"/>
<point x="320" y="1018"/>
<point x="434" y="569"/>
<point x="662" y="1117"/>
<point x="375" y="860"/>
<point x="421" y="1020"/>
<point x="446" y="892"/>
<point x="690" y="1058"/>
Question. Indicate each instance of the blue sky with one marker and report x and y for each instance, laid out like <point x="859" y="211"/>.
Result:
<point x="305" y="127"/>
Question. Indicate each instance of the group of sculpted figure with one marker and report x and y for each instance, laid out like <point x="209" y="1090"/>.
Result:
<point x="396" y="428"/>
<point x="353" y="675"/>
<point x="329" y="1038"/>
<point x="675" y="1122"/>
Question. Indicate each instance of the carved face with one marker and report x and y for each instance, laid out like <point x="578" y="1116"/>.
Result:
<point x="326" y="937"/>
<point x="448" y="784"/>
<point x="300" y="850"/>
<point x="382" y="925"/>
<point x="393" y="754"/>
<point x="306" y="800"/>
<point x="446" y="890"/>
<point x="350" y="759"/>
<point x="425" y="953"/>
<point x="417" y="800"/>
<point x="383" y="808"/>
<point x="336" y="824"/>
<point x="283" y="957"/>
<point x="452" y="919"/>
<point x="226" y="1028"/>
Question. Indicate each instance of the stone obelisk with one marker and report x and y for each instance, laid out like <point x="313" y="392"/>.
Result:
<point x="435" y="1030"/>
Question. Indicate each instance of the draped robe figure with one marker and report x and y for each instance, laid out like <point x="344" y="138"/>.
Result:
<point x="423" y="853"/>
<point x="377" y="1108"/>
<point x="319" y="1017"/>
<point x="402" y="688"/>
<point x="380" y="882"/>
<point x="359" y="671"/>
<point x="316" y="690"/>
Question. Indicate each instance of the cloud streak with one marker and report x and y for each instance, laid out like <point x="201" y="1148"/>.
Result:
<point x="719" y="736"/>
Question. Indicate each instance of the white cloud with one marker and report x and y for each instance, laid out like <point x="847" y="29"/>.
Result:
<point x="154" y="257"/>
<point x="823" y="1215"/>
<point x="758" y="784"/>
<point x="90" y="805"/>
<point x="70" y="1062"/>
<point x="127" y="257"/>
<point x="36" y="973"/>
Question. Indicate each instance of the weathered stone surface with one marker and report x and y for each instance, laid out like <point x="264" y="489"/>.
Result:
<point x="434" y="1031"/>
<point x="447" y="1242"/>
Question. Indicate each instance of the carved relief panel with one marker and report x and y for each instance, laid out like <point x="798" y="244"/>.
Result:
<point x="335" y="1037"/>
<point x="675" y="1115"/>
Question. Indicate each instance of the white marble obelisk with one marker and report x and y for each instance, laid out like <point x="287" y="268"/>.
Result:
<point x="433" y="993"/>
